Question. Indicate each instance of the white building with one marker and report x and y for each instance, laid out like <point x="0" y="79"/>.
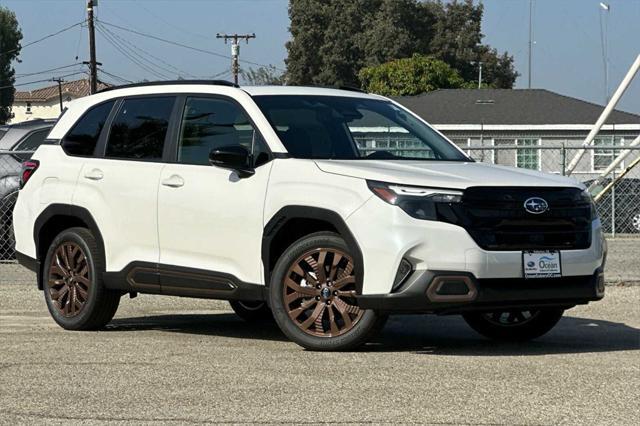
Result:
<point x="45" y="102"/>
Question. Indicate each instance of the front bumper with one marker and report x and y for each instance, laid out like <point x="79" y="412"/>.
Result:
<point x="386" y="235"/>
<point x="456" y="292"/>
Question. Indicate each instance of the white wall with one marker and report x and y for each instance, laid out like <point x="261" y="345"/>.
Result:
<point x="49" y="109"/>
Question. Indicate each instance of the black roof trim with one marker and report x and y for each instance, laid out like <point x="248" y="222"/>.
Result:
<point x="352" y="89"/>
<point x="171" y="82"/>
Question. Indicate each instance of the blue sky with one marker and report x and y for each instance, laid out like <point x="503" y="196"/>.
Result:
<point x="567" y="52"/>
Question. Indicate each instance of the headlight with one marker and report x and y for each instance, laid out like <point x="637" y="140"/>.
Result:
<point x="418" y="202"/>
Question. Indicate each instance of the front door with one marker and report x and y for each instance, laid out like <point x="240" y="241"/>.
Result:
<point x="209" y="218"/>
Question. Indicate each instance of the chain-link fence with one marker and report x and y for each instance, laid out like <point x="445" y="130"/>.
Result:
<point x="619" y="208"/>
<point x="10" y="165"/>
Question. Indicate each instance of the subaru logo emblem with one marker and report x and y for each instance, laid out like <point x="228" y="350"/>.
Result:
<point x="536" y="205"/>
<point x="531" y="264"/>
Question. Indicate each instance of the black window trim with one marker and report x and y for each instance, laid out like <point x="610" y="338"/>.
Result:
<point x="101" y="147"/>
<point x="174" y="143"/>
<point x="84" y="114"/>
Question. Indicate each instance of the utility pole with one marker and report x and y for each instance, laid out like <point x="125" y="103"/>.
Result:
<point x="59" y="81"/>
<point x="480" y="75"/>
<point x="93" y="68"/>
<point x="530" y="38"/>
<point x="235" y="50"/>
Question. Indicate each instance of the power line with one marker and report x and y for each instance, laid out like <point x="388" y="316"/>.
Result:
<point x="117" y="77"/>
<point x="175" y="43"/>
<point x="133" y="46"/>
<point x="40" y="81"/>
<point x="44" y="38"/>
<point x="47" y="70"/>
<point x="128" y="55"/>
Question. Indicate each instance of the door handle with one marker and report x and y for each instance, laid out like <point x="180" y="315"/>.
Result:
<point x="95" y="174"/>
<point x="174" y="181"/>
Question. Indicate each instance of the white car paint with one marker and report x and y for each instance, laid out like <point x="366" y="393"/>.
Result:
<point x="215" y="221"/>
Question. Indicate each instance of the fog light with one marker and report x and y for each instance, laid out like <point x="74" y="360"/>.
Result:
<point x="404" y="270"/>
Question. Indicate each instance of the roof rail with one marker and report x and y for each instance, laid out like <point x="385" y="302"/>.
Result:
<point x="170" y="82"/>
<point x="352" y="89"/>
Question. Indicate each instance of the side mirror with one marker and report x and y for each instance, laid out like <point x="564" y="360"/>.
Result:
<point x="233" y="157"/>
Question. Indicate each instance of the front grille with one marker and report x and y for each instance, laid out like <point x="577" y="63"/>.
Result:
<point x="496" y="219"/>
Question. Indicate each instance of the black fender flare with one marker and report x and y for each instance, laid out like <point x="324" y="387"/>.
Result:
<point x="63" y="210"/>
<point x="280" y="219"/>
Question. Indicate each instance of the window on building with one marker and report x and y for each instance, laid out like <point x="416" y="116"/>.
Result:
<point x="83" y="137"/>
<point x="28" y="111"/>
<point x="209" y="123"/>
<point x="528" y="158"/>
<point x="601" y="158"/>
<point x="139" y="129"/>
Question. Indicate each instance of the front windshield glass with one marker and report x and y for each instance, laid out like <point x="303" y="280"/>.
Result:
<point x="350" y="128"/>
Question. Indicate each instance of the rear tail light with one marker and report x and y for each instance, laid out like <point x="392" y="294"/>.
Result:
<point x="28" y="169"/>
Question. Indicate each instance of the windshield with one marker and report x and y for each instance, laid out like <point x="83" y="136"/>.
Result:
<point x="349" y="128"/>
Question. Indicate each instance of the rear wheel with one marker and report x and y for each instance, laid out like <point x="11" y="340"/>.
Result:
<point x="73" y="288"/>
<point x="313" y="293"/>
<point x="251" y="310"/>
<point x="514" y="325"/>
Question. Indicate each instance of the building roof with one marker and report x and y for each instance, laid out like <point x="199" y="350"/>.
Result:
<point x="508" y="107"/>
<point x="75" y="89"/>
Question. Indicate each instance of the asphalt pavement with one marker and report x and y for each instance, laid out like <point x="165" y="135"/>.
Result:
<point x="168" y="360"/>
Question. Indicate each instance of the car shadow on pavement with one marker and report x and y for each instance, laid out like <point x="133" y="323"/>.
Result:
<point x="450" y="335"/>
<point x="423" y="334"/>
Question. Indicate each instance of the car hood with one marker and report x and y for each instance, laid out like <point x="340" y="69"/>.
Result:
<point x="443" y="174"/>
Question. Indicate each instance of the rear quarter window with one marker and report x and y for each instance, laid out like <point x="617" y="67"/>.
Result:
<point x="83" y="137"/>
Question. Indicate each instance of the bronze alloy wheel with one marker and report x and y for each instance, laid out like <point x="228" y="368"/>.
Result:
<point x="510" y="318"/>
<point x="69" y="279"/>
<point x="319" y="293"/>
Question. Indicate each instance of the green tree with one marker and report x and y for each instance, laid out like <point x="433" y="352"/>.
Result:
<point x="262" y="76"/>
<point x="333" y="39"/>
<point x="410" y="76"/>
<point x="10" y="37"/>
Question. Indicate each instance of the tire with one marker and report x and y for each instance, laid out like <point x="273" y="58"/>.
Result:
<point x="251" y="311"/>
<point x="519" y="325"/>
<point x="73" y="287"/>
<point x="316" y="309"/>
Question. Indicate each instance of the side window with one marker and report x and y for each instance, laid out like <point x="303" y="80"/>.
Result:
<point x="83" y="137"/>
<point x="33" y="141"/>
<point x="209" y="123"/>
<point x="139" y="128"/>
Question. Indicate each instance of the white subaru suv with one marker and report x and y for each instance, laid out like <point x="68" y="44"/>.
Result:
<point x="325" y="209"/>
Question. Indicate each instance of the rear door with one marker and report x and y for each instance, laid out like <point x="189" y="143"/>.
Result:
<point x="209" y="218"/>
<point x="120" y="186"/>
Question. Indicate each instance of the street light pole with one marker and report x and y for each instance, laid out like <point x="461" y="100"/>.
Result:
<point x="530" y="40"/>
<point x="604" y="40"/>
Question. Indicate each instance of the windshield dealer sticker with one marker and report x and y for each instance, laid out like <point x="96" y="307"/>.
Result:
<point x="541" y="264"/>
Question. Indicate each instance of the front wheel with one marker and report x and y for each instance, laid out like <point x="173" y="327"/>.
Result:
<point x="312" y="295"/>
<point x="514" y="325"/>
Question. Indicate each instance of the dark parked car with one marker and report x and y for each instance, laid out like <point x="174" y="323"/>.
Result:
<point x="15" y="138"/>
<point x="624" y="206"/>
